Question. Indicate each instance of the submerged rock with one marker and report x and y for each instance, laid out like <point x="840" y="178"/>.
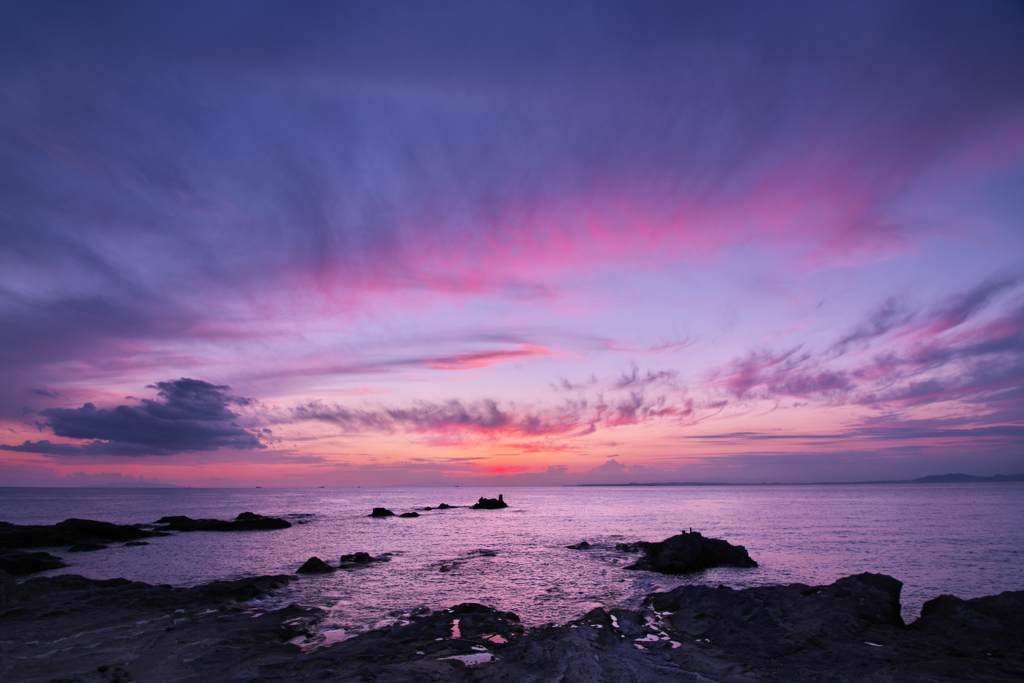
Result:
<point x="86" y="547"/>
<point x="691" y="552"/>
<point x="637" y="547"/>
<point x="314" y="565"/>
<point x="490" y="503"/>
<point x="246" y="521"/>
<point x="381" y="512"/>
<point x="362" y="559"/>
<point x="446" y="506"/>
<point x="409" y="514"/>
<point x="20" y="563"/>
<point x="582" y="545"/>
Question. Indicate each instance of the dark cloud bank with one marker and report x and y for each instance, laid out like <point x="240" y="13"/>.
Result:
<point x="191" y="415"/>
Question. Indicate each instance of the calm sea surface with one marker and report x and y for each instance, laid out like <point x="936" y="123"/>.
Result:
<point x="963" y="539"/>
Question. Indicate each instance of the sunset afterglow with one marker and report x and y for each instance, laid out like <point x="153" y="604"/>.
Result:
<point x="379" y="244"/>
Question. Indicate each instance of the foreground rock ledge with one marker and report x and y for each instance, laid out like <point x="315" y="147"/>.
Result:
<point x="68" y="628"/>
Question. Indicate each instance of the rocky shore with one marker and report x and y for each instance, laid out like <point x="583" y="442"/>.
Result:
<point x="68" y="629"/>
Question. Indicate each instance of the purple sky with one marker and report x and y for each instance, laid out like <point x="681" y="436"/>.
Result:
<point x="296" y="243"/>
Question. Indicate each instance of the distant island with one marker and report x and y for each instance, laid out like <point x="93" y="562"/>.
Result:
<point x="958" y="478"/>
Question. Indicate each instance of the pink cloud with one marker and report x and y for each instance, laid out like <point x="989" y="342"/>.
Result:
<point x="485" y="359"/>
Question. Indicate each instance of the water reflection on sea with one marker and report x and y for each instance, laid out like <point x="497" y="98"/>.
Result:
<point x="962" y="539"/>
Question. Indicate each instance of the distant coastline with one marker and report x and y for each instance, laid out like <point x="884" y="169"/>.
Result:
<point x="958" y="478"/>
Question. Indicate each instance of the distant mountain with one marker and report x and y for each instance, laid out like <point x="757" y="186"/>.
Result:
<point x="958" y="478"/>
<point x="961" y="478"/>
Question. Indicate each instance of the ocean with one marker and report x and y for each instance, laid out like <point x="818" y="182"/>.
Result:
<point x="960" y="539"/>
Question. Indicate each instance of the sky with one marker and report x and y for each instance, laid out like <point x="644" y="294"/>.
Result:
<point x="510" y="243"/>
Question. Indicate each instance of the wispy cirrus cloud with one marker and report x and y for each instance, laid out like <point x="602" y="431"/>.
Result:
<point x="485" y="359"/>
<point x="794" y="373"/>
<point x="455" y="420"/>
<point x="951" y="353"/>
<point x="960" y="308"/>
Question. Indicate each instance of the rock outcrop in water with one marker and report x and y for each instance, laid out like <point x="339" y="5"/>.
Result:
<point x="582" y="545"/>
<point x="314" y="565"/>
<point x="381" y="512"/>
<point x="20" y="563"/>
<point x="246" y="521"/>
<point x="691" y="552"/>
<point x="491" y="503"/>
<point x="361" y="559"/>
<point x="74" y="629"/>
<point x="68" y="533"/>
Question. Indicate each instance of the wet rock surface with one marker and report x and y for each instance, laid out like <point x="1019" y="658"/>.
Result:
<point x="8" y="589"/>
<point x="21" y="563"/>
<point x="74" y="629"/>
<point x="246" y="521"/>
<point x="691" y="552"/>
<point x="68" y="533"/>
<point x="381" y="512"/>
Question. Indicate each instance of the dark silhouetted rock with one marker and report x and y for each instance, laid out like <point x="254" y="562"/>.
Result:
<point x="314" y="565"/>
<point x="691" y="552"/>
<point x="445" y="506"/>
<point x="381" y="512"/>
<point x="845" y="632"/>
<point x="19" y="563"/>
<point x="582" y="545"/>
<point x="409" y="514"/>
<point x="132" y="544"/>
<point x="69" y="532"/>
<point x="247" y="521"/>
<point x="491" y="503"/>
<point x="86" y="547"/>
<point x="8" y="589"/>
<point x="362" y="559"/>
